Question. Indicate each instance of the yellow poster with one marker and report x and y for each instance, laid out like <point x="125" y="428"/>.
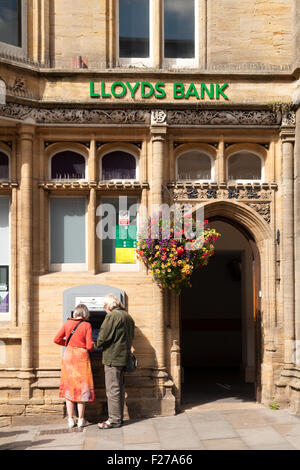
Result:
<point x="125" y="255"/>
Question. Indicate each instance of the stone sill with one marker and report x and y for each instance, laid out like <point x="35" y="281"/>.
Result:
<point x="101" y="185"/>
<point x="223" y="185"/>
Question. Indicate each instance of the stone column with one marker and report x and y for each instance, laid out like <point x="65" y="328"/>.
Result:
<point x="25" y="136"/>
<point x="158" y="131"/>
<point x="220" y="167"/>
<point x="287" y="137"/>
<point x="92" y="206"/>
<point x="297" y="233"/>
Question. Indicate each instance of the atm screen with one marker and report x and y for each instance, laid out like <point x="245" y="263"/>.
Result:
<point x="96" y="319"/>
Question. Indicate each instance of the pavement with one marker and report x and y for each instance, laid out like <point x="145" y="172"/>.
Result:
<point x="216" y="426"/>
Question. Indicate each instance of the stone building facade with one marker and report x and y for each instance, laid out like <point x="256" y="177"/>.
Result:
<point x="227" y="94"/>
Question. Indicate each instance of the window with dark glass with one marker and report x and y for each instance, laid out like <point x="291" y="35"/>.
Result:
<point x="11" y="22"/>
<point x="68" y="232"/>
<point x="194" y="165"/>
<point x="120" y="246"/>
<point x="4" y="254"/>
<point x="179" y="29"/>
<point x="118" y="165"/>
<point x="67" y="165"/>
<point x="4" y="166"/>
<point x="244" y="166"/>
<point x="133" y="28"/>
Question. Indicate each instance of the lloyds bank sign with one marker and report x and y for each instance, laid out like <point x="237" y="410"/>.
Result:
<point x="147" y="90"/>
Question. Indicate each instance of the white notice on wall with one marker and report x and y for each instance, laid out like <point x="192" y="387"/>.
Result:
<point x="92" y="303"/>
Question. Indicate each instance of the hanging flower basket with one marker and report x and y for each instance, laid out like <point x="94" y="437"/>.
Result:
<point x="171" y="261"/>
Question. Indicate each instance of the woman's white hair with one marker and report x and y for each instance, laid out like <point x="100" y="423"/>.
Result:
<point x="111" y="302"/>
<point x="82" y="311"/>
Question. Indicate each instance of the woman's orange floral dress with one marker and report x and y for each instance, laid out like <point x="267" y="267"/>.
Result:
<point x="76" y="382"/>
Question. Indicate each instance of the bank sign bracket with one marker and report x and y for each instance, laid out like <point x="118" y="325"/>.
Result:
<point x="147" y="90"/>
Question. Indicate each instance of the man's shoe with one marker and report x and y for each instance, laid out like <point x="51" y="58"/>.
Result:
<point x="108" y="425"/>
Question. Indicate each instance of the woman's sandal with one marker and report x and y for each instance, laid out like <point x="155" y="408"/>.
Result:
<point x="108" y="425"/>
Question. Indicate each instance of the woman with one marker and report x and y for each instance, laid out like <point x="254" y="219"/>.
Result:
<point x="76" y="383"/>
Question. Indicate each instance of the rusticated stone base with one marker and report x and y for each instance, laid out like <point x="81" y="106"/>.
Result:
<point x="287" y="393"/>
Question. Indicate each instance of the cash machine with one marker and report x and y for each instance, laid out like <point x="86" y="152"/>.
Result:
<point x="92" y="296"/>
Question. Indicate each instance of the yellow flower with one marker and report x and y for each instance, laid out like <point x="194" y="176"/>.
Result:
<point x="157" y="247"/>
<point x="157" y="271"/>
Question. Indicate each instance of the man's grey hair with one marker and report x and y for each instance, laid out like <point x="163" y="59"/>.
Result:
<point x="111" y="302"/>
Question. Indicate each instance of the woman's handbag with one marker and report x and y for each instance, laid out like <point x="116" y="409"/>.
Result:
<point x="132" y="360"/>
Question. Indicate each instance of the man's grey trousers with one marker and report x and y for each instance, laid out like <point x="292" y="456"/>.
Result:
<point x="115" y="392"/>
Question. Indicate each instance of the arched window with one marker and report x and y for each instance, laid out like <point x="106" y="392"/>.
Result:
<point x="4" y="166"/>
<point x="118" y="165"/>
<point x="245" y="166"/>
<point x="194" y="165"/>
<point x="68" y="165"/>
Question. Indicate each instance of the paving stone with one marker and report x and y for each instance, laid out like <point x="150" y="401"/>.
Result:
<point x="287" y="429"/>
<point x="211" y="426"/>
<point x="140" y="433"/>
<point x="261" y="437"/>
<point x="176" y="434"/>
<point x="294" y="441"/>
<point x="225" y="444"/>
<point x="280" y="416"/>
<point x="245" y="418"/>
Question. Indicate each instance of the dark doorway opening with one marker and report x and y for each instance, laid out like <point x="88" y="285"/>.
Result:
<point x="217" y="338"/>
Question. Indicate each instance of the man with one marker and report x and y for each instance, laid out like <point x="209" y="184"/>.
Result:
<point x="113" y="341"/>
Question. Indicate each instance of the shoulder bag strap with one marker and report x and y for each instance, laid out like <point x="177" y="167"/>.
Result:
<point x="73" y="331"/>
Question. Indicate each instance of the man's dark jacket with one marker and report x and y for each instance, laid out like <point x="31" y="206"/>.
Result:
<point x="112" y="337"/>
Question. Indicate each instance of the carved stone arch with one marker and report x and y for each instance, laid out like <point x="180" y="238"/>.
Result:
<point x="58" y="147"/>
<point x="241" y="214"/>
<point x="129" y="148"/>
<point x="242" y="147"/>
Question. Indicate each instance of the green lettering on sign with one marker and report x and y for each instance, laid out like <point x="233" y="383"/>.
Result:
<point x="204" y="89"/>
<point x="192" y="92"/>
<point x="122" y="93"/>
<point x="143" y="91"/>
<point x="199" y="91"/>
<point x="178" y="91"/>
<point x="219" y="91"/>
<point x="103" y="94"/>
<point x="92" y="94"/>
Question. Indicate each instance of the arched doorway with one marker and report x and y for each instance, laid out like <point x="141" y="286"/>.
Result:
<point x="219" y="320"/>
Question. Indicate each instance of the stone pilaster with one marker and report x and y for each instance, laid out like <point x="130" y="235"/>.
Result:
<point x="287" y="137"/>
<point x="297" y="234"/>
<point x="158" y="133"/>
<point x="25" y="141"/>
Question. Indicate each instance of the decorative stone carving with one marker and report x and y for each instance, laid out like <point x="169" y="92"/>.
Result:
<point x="263" y="209"/>
<point x="158" y="116"/>
<point x="238" y="118"/>
<point x="258" y="196"/>
<point x="139" y="116"/>
<point x="289" y="119"/>
<point x="75" y="116"/>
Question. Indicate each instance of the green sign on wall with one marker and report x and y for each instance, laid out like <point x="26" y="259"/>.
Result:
<point x="144" y="90"/>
